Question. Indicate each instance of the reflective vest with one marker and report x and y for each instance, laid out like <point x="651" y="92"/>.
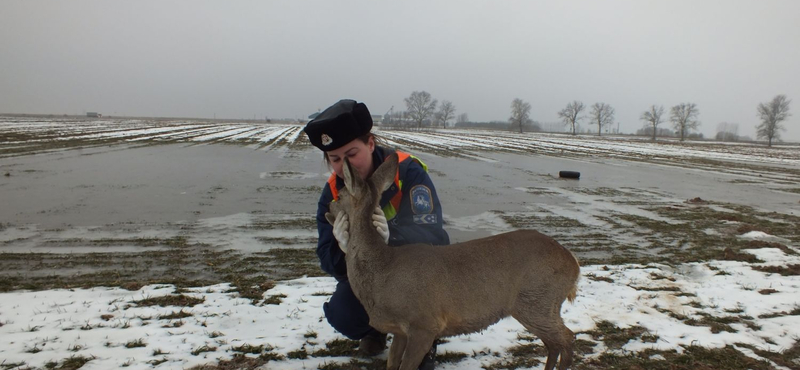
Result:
<point x="391" y="209"/>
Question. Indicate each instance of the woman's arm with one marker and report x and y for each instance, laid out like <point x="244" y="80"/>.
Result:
<point x="419" y="219"/>
<point x="331" y="258"/>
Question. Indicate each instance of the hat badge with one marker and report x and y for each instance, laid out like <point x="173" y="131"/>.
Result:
<point x="326" y="140"/>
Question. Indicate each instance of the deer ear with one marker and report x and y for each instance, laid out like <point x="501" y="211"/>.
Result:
<point x="352" y="180"/>
<point x="384" y="176"/>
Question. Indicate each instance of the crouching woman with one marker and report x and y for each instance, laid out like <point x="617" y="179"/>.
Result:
<point x="409" y="212"/>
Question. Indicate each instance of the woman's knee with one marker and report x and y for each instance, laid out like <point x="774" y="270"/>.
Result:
<point x="346" y="314"/>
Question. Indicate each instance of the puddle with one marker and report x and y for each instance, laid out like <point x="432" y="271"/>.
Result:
<point x="203" y="203"/>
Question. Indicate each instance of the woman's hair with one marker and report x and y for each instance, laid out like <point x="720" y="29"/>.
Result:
<point x="365" y="139"/>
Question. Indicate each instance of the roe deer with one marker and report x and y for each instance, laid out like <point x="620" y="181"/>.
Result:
<point x="421" y="292"/>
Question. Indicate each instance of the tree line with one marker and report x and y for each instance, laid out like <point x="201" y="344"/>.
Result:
<point x="421" y="110"/>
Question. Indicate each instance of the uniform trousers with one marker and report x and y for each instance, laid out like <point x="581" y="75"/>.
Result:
<point x="346" y="314"/>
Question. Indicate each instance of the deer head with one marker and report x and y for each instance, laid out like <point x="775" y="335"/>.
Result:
<point x="360" y="197"/>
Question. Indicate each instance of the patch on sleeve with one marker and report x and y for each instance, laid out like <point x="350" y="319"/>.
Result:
<point x="421" y="200"/>
<point x="425" y="219"/>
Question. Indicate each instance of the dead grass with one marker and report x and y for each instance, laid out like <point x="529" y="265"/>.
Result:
<point x="756" y="244"/>
<point x="789" y="358"/>
<point x="204" y="348"/>
<point x="450" y="357"/>
<point x="600" y="278"/>
<point x="170" y="300"/>
<point x="692" y="358"/>
<point x="355" y="364"/>
<point x="729" y="254"/>
<point x="71" y="363"/>
<point x="716" y="324"/>
<point x="522" y="356"/>
<point x="136" y="343"/>
<point x="794" y="312"/>
<point x="338" y="347"/>
<point x="175" y="315"/>
<point x="275" y="299"/>
<point x="615" y="337"/>
<point x="240" y="362"/>
<point x="788" y="270"/>
<point x="247" y="348"/>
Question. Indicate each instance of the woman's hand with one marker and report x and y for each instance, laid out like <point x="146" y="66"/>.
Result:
<point x="379" y="221"/>
<point x="340" y="226"/>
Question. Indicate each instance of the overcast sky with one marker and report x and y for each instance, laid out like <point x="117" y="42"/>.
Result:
<point x="286" y="59"/>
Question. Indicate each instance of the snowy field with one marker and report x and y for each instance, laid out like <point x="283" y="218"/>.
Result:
<point x="29" y="132"/>
<point x="150" y="244"/>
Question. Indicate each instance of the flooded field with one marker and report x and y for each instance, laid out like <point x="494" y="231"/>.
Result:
<point x="133" y="203"/>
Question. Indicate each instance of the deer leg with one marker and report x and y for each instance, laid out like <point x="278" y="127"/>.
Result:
<point x="568" y="338"/>
<point x="558" y="339"/>
<point x="548" y="326"/>
<point x="419" y="343"/>
<point x="552" y="347"/>
<point x="399" y="341"/>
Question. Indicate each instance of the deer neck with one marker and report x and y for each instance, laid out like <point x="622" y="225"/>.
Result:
<point x="368" y="254"/>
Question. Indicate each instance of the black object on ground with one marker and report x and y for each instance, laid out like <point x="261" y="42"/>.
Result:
<point x="569" y="174"/>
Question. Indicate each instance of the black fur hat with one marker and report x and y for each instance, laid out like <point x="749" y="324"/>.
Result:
<point x="339" y="124"/>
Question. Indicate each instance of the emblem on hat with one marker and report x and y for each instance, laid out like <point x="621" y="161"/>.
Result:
<point x="326" y="140"/>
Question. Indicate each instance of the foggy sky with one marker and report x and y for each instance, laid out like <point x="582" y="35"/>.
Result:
<point x="286" y="59"/>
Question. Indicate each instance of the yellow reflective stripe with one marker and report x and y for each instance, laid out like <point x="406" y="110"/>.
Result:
<point x="389" y="211"/>
<point x="424" y="166"/>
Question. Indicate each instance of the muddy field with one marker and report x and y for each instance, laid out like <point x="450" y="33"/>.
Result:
<point x="133" y="203"/>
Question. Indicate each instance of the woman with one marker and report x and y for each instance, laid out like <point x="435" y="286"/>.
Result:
<point x="409" y="212"/>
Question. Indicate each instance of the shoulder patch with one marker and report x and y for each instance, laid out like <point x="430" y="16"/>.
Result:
<point x="421" y="199"/>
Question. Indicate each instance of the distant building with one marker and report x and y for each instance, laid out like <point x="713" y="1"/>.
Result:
<point x="93" y="114"/>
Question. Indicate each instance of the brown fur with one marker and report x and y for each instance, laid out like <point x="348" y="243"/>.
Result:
<point x="421" y="292"/>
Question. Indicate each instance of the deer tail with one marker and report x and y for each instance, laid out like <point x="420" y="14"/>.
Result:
<point x="573" y="292"/>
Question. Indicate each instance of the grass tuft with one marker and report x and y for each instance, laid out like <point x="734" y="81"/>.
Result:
<point x="789" y="270"/>
<point x="275" y="299"/>
<point x="615" y="337"/>
<point x="175" y="315"/>
<point x="170" y="300"/>
<point x="136" y="343"/>
<point x="337" y="348"/>
<point x="247" y="348"/>
<point x="203" y="348"/>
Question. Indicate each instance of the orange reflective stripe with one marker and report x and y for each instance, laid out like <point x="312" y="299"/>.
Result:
<point x="401" y="156"/>
<point x="332" y="184"/>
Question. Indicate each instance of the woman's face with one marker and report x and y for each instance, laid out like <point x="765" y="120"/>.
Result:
<point x="358" y="153"/>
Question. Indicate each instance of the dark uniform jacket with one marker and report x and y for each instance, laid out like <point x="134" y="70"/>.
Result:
<point x="418" y="220"/>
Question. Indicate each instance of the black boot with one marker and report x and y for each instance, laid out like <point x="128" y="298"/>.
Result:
<point x="372" y="345"/>
<point x="429" y="361"/>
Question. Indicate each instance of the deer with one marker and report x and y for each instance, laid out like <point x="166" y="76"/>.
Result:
<point x="421" y="292"/>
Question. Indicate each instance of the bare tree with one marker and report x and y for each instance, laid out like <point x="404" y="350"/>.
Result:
<point x="684" y="118"/>
<point x="771" y="115"/>
<point x="571" y="115"/>
<point x="420" y="106"/>
<point x="447" y="111"/>
<point x="462" y="118"/>
<point x="653" y="118"/>
<point x="727" y="131"/>
<point x="602" y="115"/>
<point x="520" y="113"/>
